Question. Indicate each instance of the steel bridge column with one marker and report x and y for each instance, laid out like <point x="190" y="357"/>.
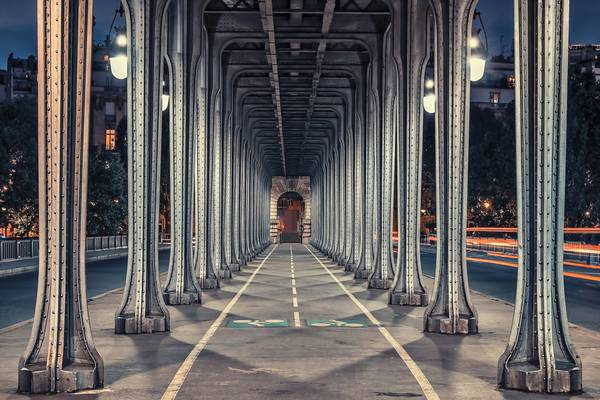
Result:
<point x="361" y="208"/>
<point x="61" y="355"/>
<point x="451" y="311"/>
<point x="142" y="309"/>
<point x="181" y="286"/>
<point x="540" y="356"/>
<point x="408" y="288"/>
<point x="237" y="201"/>
<point x="336" y="203"/>
<point x="349" y="192"/>
<point x="342" y="259"/>
<point x="236" y="260"/>
<point x="205" y="271"/>
<point x="382" y="273"/>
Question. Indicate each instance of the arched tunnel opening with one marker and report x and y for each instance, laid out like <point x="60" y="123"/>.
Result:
<point x="290" y="210"/>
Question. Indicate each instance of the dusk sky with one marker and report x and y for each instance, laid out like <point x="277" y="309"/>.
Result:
<point x="18" y="24"/>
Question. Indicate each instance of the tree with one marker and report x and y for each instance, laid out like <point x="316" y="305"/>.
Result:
<point x="582" y="203"/>
<point x="492" y="167"/>
<point x="18" y="166"/>
<point x="107" y="195"/>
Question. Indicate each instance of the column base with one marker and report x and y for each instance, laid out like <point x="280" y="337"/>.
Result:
<point x="380" y="284"/>
<point x="185" y="298"/>
<point x="34" y="379"/>
<point x="405" y="299"/>
<point x="126" y="324"/>
<point x="235" y="267"/>
<point x="443" y="324"/>
<point x="225" y="274"/>
<point x="342" y="262"/>
<point x="361" y="274"/>
<point x="529" y="378"/>
<point x="349" y="267"/>
<point x="209" y="283"/>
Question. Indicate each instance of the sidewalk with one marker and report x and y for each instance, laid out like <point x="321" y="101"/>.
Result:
<point x="27" y="265"/>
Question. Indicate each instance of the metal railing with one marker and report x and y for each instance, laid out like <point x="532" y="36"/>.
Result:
<point x="16" y="249"/>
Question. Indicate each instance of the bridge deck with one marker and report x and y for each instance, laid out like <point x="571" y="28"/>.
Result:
<point x="233" y="356"/>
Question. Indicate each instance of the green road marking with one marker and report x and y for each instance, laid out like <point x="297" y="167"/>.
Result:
<point x="336" y="323"/>
<point x="257" y="323"/>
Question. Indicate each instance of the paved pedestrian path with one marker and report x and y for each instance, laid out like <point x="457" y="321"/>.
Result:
<point x="294" y="326"/>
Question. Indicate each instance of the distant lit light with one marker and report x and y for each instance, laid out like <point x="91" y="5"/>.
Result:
<point x="474" y="42"/>
<point x="118" y="66"/>
<point x="487" y="204"/>
<point x="587" y="213"/>
<point x="429" y="84"/>
<point x="429" y="103"/>
<point x="165" y="102"/>
<point x="477" y="68"/>
<point x="121" y="40"/>
<point x="423" y="211"/>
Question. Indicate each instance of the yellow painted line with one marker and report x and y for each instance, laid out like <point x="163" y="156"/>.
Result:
<point x="188" y="363"/>
<point x="420" y="377"/>
<point x="296" y="319"/>
<point x="295" y="302"/>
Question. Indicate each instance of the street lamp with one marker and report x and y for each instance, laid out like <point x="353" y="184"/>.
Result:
<point x="165" y="98"/>
<point x="477" y="61"/>
<point x="429" y="97"/>
<point x="118" y="57"/>
<point x="478" y="57"/>
<point x="118" y="60"/>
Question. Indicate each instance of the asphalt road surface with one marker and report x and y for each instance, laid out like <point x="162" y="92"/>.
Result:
<point x="583" y="297"/>
<point x="17" y="299"/>
<point x="17" y="293"/>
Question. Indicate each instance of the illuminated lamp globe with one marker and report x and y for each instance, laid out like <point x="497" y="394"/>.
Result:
<point x="118" y="66"/>
<point x="121" y="40"/>
<point x="429" y="103"/>
<point x="477" y="68"/>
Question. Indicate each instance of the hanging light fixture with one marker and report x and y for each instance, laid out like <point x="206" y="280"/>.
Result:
<point x="429" y="99"/>
<point x="165" y="98"/>
<point x="477" y="60"/>
<point x="118" y="58"/>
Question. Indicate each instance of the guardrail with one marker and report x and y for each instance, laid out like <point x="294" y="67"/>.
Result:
<point x="16" y="249"/>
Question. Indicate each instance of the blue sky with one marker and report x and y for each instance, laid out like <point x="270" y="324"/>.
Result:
<point x="18" y="24"/>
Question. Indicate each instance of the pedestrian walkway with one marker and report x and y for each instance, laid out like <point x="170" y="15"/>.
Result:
<point x="294" y="326"/>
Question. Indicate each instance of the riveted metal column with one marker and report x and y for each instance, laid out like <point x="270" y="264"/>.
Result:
<point x="370" y="206"/>
<point x="336" y="203"/>
<point x="205" y="270"/>
<point x="341" y="259"/>
<point x="383" y="269"/>
<point x="61" y="355"/>
<point x="216" y="220"/>
<point x="540" y="356"/>
<point x="181" y="286"/>
<point x="237" y="203"/>
<point x="244" y="219"/>
<point x="349" y="209"/>
<point x="361" y="209"/>
<point x="228" y="195"/>
<point x="142" y="309"/>
<point x="451" y="311"/>
<point x="408" y="288"/>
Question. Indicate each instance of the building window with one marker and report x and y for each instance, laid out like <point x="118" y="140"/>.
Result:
<point x="495" y="98"/>
<point x="110" y="139"/>
<point x="511" y="82"/>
